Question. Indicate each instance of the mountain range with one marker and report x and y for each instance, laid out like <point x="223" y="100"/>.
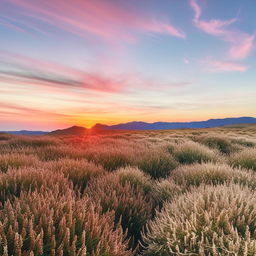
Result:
<point x="137" y="125"/>
<point x="177" y="125"/>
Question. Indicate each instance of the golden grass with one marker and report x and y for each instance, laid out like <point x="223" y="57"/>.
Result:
<point x="210" y="220"/>
<point x="192" y="152"/>
<point x="96" y="194"/>
<point x="16" y="160"/>
<point x="245" y="158"/>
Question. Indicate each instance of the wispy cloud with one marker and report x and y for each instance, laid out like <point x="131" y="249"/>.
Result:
<point x="21" y="69"/>
<point x="105" y="19"/>
<point x="241" y="43"/>
<point x="225" y="66"/>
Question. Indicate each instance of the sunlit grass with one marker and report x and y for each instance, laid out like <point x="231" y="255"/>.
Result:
<point x="190" y="192"/>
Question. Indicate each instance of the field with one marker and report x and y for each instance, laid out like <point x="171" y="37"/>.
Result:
<point x="122" y="193"/>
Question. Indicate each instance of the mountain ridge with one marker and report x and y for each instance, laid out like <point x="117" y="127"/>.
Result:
<point x="140" y="125"/>
<point x="210" y="123"/>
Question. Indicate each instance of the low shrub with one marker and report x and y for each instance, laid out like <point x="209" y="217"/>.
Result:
<point x="245" y="158"/>
<point x="50" y="153"/>
<point x="28" y="141"/>
<point x="244" y="142"/>
<point x="135" y="177"/>
<point x="5" y="136"/>
<point x="210" y="220"/>
<point x="48" y="223"/>
<point x="192" y="152"/>
<point x="210" y="173"/>
<point x="16" y="160"/>
<point x="13" y="182"/>
<point x="218" y="142"/>
<point x="80" y="172"/>
<point x="157" y="163"/>
<point x="130" y="205"/>
<point x="112" y="161"/>
<point x="165" y="190"/>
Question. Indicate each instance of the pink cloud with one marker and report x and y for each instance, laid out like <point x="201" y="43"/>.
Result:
<point x="27" y="71"/>
<point x="103" y="19"/>
<point x="241" y="43"/>
<point x="225" y="66"/>
<point x="243" y="47"/>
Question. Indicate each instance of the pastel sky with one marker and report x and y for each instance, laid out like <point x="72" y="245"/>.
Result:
<point x="83" y="62"/>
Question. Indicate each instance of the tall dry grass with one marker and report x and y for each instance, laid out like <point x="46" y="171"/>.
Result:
<point x="192" y="152"/>
<point x="46" y="222"/>
<point x="96" y="194"/>
<point x="80" y="172"/>
<point x="16" y="160"/>
<point x="210" y="220"/>
<point x="212" y="173"/>
<point x="245" y="158"/>
<point x="130" y="205"/>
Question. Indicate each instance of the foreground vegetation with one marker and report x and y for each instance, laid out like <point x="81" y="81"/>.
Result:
<point x="178" y="192"/>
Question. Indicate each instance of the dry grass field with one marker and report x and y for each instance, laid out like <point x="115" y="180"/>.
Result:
<point x="152" y="193"/>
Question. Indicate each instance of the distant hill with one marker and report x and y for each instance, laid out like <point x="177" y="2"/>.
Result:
<point x="102" y="128"/>
<point x="25" y="132"/>
<point x="74" y="130"/>
<point x="177" y="125"/>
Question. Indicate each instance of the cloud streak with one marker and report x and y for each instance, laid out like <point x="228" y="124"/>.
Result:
<point x="107" y="20"/>
<point x="225" y="66"/>
<point x="241" y="43"/>
<point x="21" y="69"/>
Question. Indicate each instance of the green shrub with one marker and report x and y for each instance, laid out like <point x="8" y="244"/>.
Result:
<point x="210" y="173"/>
<point x="210" y="220"/>
<point x="130" y="205"/>
<point x="245" y="158"/>
<point x="157" y="164"/>
<point x="244" y="142"/>
<point x="16" y="160"/>
<point x="135" y="177"/>
<point x="165" y="190"/>
<point x="112" y="161"/>
<point x="5" y="136"/>
<point x="192" y="152"/>
<point x="80" y="172"/>
<point x="48" y="223"/>
<point x="218" y="142"/>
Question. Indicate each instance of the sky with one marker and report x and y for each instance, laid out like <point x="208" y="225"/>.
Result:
<point x="83" y="62"/>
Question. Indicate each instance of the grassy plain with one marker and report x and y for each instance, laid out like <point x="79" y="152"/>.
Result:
<point x="118" y="193"/>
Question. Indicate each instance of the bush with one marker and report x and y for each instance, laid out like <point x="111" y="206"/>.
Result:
<point x="244" y="142"/>
<point x="5" y="136"/>
<point x="210" y="173"/>
<point x="15" y="160"/>
<point x="218" y="142"/>
<point x="165" y="190"/>
<point x="52" y="153"/>
<point x="13" y="182"/>
<point x="111" y="160"/>
<point x="80" y="172"/>
<point x="130" y="204"/>
<point x="211" y="220"/>
<point x="48" y="223"/>
<point x="135" y="177"/>
<point x="26" y="141"/>
<point x="245" y="158"/>
<point x="192" y="152"/>
<point x="157" y="163"/>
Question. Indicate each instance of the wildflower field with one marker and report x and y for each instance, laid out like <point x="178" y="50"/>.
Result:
<point x="123" y="193"/>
